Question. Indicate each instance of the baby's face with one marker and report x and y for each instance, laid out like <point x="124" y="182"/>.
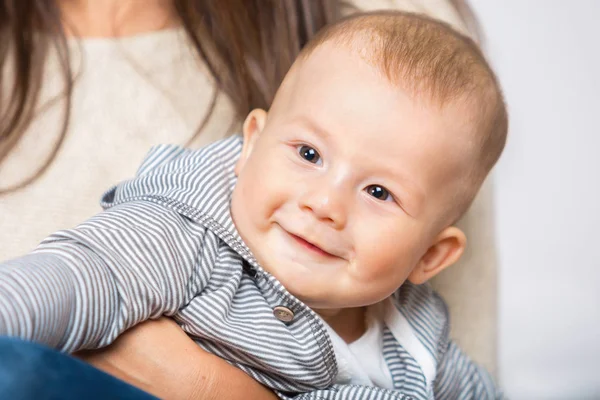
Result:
<point x="339" y="193"/>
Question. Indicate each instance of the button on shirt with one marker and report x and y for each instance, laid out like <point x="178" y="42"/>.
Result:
<point x="166" y="245"/>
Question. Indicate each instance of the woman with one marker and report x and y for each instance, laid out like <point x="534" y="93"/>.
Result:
<point x="89" y="86"/>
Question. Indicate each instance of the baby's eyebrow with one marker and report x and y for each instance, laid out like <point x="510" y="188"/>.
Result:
<point x="312" y="125"/>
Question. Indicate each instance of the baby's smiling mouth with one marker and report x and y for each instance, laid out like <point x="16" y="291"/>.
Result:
<point x="308" y="245"/>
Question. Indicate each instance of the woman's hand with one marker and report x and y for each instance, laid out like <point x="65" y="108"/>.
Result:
<point x="158" y="357"/>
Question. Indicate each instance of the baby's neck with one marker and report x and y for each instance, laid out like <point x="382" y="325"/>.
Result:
<point x="348" y="323"/>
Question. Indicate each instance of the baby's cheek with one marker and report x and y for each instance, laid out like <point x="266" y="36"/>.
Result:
<point x="385" y="257"/>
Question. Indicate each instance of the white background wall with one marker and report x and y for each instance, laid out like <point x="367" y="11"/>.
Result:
<point x="547" y="55"/>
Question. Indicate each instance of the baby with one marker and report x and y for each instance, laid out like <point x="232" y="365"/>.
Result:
<point x="299" y="252"/>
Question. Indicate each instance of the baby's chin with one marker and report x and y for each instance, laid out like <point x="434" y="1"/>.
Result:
<point x="301" y="282"/>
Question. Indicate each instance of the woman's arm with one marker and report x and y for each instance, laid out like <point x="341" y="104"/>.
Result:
<point x="158" y="357"/>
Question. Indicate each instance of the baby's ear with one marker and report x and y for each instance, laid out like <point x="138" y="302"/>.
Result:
<point x="446" y="249"/>
<point x="253" y="126"/>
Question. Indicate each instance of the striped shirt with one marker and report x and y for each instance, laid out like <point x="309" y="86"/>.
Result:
<point x="166" y="245"/>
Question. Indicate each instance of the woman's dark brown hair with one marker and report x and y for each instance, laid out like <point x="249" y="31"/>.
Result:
<point x="248" y="46"/>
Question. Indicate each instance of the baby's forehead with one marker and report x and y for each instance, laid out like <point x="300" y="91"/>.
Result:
<point x="311" y="81"/>
<point x="352" y="61"/>
<point x="424" y="56"/>
<point x="441" y="68"/>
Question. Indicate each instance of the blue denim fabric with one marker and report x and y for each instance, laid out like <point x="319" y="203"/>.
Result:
<point x="32" y="371"/>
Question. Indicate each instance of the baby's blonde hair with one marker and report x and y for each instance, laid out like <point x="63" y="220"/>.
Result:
<point x="431" y="61"/>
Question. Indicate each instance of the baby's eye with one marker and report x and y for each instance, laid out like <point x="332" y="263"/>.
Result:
<point x="379" y="192"/>
<point x="309" y="154"/>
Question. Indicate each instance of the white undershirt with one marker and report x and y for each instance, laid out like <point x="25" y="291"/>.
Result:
<point x="361" y="362"/>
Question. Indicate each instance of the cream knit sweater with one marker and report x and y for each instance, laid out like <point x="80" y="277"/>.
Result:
<point x="135" y="92"/>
